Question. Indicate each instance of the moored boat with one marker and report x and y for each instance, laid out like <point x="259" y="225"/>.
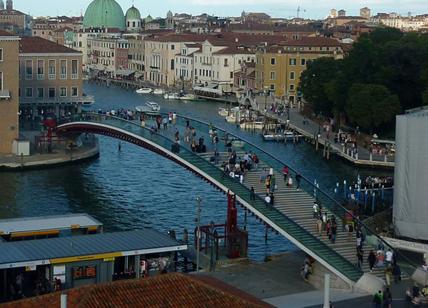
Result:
<point x="144" y="91"/>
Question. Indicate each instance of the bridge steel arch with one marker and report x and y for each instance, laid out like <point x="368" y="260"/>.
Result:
<point x="133" y="133"/>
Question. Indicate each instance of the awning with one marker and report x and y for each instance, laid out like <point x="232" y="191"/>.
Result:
<point x="125" y="72"/>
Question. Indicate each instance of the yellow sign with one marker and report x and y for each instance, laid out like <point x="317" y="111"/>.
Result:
<point x="86" y="258"/>
<point x="108" y="259"/>
<point x="34" y="233"/>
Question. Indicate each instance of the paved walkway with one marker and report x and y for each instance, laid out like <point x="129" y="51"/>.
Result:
<point x="310" y="129"/>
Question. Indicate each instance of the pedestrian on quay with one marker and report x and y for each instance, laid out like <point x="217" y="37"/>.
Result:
<point x="396" y="272"/>
<point x="272" y="183"/>
<point x="267" y="199"/>
<point x="165" y="123"/>
<point x="372" y="260"/>
<point x="360" y="258"/>
<point x="316" y="209"/>
<point x="387" y="298"/>
<point x="272" y="199"/>
<point x="378" y="299"/>
<point x="290" y="181"/>
<point x="298" y="179"/>
<point x="252" y="194"/>
<point x="285" y="171"/>
<point x="388" y="274"/>
<point x="319" y="225"/>
<point x="333" y="231"/>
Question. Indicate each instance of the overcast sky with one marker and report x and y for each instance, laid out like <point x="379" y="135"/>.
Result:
<point x="275" y="8"/>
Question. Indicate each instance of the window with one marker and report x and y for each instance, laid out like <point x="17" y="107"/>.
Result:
<point x="231" y="75"/>
<point x="1" y="54"/>
<point x="29" y="69"/>
<point x="225" y="62"/>
<point x="40" y="92"/>
<point x="172" y="64"/>
<point x="292" y="75"/>
<point x="272" y="61"/>
<point x="1" y="81"/>
<point x="51" y="92"/>
<point x="272" y="75"/>
<point x="40" y="69"/>
<point x="74" y="69"/>
<point x="62" y="92"/>
<point x="272" y="87"/>
<point x="293" y="61"/>
<point x="291" y="87"/>
<point x="303" y="62"/>
<point x="172" y="47"/>
<point x="63" y="69"/>
<point x="29" y="92"/>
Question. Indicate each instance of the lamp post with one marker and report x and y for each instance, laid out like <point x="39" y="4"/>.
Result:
<point x="198" y="231"/>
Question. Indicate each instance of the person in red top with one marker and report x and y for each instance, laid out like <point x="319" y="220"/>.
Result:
<point x="285" y="172"/>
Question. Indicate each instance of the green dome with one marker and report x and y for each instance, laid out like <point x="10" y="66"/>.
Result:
<point x="104" y="14"/>
<point x="133" y="13"/>
<point x="148" y="19"/>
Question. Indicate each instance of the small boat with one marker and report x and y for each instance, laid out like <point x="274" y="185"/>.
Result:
<point x="153" y="106"/>
<point x="189" y="97"/>
<point x="144" y="91"/>
<point x="273" y="137"/>
<point x="159" y="92"/>
<point x="252" y="125"/>
<point x="171" y="96"/>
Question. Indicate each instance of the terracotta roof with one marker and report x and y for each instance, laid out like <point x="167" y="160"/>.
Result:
<point x="234" y="50"/>
<point x="172" y="290"/>
<point x="39" y="45"/>
<point x="5" y="33"/>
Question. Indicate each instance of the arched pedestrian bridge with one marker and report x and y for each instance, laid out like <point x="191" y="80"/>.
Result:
<point x="292" y="214"/>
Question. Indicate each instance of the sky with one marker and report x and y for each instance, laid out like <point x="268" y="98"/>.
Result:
<point x="275" y="8"/>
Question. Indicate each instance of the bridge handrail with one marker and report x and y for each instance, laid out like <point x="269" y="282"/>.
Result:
<point x="97" y="115"/>
<point x="331" y="199"/>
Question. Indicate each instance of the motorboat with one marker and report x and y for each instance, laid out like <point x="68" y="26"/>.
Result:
<point x="144" y="91"/>
<point x="234" y="116"/>
<point x="159" y="92"/>
<point x="189" y="97"/>
<point x="258" y="125"/>
<point x="153" y="106"/>
<point x="171" y="96"/>
<point x="273" y="137"/>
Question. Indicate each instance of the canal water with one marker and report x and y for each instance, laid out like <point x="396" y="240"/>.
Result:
<point x="135" y="188"/>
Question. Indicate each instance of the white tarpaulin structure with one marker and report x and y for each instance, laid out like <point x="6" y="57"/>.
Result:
<point x="411" y="175"/>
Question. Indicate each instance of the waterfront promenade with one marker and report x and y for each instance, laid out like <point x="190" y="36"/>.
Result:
<point x="89" y="149"/>
<point x="314" y="131"/>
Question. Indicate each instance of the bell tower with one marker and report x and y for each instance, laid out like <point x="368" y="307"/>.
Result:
<point x="9" y="5"/>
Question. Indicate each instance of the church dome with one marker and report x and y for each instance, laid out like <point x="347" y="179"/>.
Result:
<point x="104" y="14"/>
<point x="133" y="13"/>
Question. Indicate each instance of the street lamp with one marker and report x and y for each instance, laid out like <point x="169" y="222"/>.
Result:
<point x="198" y="231"/>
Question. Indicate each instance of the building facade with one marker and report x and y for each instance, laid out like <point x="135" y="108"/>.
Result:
<point x="278" y="68"/>
<point x="50" y="78"/>
<point x="9" y="91"/>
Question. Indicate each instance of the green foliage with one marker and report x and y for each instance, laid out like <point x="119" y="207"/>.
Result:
<point x="371" y="106"/>
<point x="393" y="66"/>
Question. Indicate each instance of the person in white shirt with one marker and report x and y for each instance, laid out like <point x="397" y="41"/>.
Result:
<point x="388" y="256"/>
<point x="267" y="199"/>
<point x="316" y="209"/>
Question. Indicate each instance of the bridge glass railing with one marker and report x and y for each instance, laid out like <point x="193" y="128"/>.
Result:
<point x="373" y="240"/>
<point x="165" y="140"/>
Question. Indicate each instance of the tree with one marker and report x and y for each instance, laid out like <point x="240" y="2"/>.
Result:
<point x="312" y="84"/>
<point x="371" y="106"/>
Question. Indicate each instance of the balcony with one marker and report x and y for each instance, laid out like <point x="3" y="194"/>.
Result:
<point x="28" y="76"/>
<point x="52" y="76"/>
<point x="63" y="76"/>
<point x="40" y="76"/>
<point x="4" y="95"/>
<point x="74" y="76"/>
